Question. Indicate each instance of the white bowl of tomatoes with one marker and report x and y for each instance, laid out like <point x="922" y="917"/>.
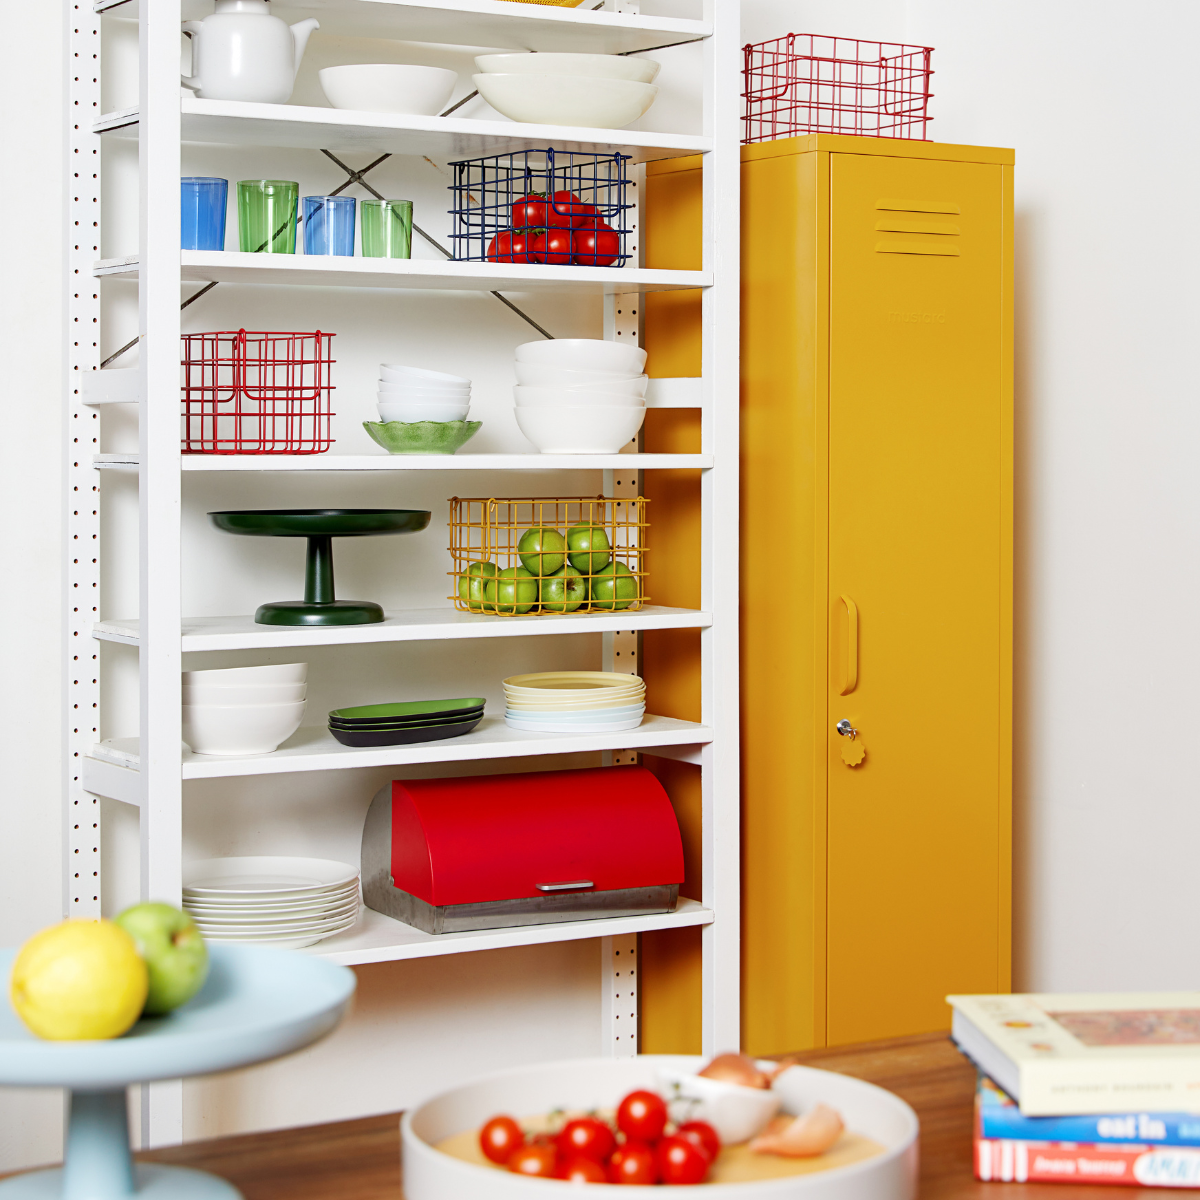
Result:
<point x="558" y="230"/>
<point x="615" y="1129"/>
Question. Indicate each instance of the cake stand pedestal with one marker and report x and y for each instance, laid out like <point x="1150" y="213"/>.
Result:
<point x="257" y="1004"/>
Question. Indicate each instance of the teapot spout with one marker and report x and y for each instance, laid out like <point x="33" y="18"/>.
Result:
<point x="300" y="32"/>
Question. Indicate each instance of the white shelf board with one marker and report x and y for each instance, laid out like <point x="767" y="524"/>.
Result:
<point x="232" y="123"/>
<point x="377" y="938"/>
<point x="487" y="23"/>
<point x="313" y="748"/>
<point x="230" y="266"/>
<point x="412" y="625"/>
<point x="420" y="462"/>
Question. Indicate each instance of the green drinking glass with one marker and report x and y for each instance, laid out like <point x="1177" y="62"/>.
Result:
<point x="386" y="228"/>
<point x="267" y="215"/>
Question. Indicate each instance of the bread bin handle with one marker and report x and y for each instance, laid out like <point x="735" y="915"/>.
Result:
<point x="573" y="885"/>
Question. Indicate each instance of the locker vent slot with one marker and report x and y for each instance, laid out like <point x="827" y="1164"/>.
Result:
<point x="895" y="225"/>
<point x="925" y="236"/>
<point x="947" y="248"/>
<point x="917" y="206"/>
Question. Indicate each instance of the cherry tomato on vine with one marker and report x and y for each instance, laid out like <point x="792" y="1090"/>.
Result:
<point x="634" y="1162"/>
<point x="680" y="1160"/>
<point x="704" y="1134"/>
<point x="534" y="1160"/>
<point x="578" y="212"/>
<point x="511" y="245"/>
<point x="596" y="246"/>
<point x="642" y="1116"/>
<point x="535" y="209"/>
<point x="553" y="246"/>
<point x="500" y="1138"/>
<point x="581" y="1170"/>
<point x="586" y="1137"/>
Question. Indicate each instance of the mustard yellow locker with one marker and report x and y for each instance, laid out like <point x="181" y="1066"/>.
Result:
<point x="876" y="566"/>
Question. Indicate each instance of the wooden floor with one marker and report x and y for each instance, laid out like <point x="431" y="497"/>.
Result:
<point x="360" y="1160"/>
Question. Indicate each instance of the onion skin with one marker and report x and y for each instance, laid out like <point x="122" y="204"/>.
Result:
<point x="736" y="1068"/>
<point x="804" y="1137"/>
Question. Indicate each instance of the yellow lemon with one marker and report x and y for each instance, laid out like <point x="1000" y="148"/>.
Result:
<point x="79" y="980"/>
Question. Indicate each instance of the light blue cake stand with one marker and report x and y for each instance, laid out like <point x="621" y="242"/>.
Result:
<point x="258" y="1003"/>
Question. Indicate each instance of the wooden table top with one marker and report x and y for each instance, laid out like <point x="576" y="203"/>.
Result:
<point x="360" y="1160"/>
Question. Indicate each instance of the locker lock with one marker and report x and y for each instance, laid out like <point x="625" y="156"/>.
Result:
<point x="846" y="729"/>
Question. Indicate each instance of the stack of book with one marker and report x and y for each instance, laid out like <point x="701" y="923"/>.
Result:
<point x="1085" y="1088"/>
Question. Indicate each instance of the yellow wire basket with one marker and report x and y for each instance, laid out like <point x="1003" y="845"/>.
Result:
<point x="515" y="557"/>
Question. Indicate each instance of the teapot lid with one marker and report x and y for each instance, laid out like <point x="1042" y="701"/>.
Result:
<point x="243" y="6"/>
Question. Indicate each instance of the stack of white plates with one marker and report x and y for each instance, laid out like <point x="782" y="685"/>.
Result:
<point x="574" y="702"/>
<point x="290" y="902"/>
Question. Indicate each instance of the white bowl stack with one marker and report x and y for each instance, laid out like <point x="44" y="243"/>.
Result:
<point x="271" y="901"/>
<point x="574" y="702"/>
<point x="600" y="91"/>
<point x="580" y="396"/>
<point x="411" y="394"/>
<point x="243" y="710"/>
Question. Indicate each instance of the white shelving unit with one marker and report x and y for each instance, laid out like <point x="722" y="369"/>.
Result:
<point x="150" y="772"/>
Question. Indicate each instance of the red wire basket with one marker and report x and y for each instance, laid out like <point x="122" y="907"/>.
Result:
<point x="807" y="83"/>
<point x="248" y="392"/>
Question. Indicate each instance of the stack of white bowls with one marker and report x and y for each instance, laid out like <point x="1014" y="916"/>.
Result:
<point x="574" y="702"/>
<point x="411" y="394"/>
<point x="580" y="396"/>
<point x="243" y="710"/>
<point x="602" y="91"/>
<point x="271" y="901"/>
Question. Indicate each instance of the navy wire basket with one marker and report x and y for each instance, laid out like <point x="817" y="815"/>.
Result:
<point x="559" y="207"/>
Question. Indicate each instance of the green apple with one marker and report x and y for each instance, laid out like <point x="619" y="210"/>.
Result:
<point x="563" y="592"/>
<point x="542" y="551"/>
<point x="514" y="590"/>
<point x="174" y="952"/>
<point x="588" y="548"/>
<point x="614" y="588"/>
<point x="472" y="581"/>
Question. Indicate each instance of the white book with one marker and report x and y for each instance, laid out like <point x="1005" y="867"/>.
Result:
<point x="1067" y="1054"/>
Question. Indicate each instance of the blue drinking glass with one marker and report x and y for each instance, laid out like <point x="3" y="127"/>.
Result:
<point x="202" y="213"/>
<point x="329" y="225"/>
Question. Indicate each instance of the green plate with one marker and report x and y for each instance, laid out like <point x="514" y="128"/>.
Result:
<point x="423" y="723"/>
<point x="374" y="714"/>
<point x="314" y="522"/>
<point x="421" y="437"/>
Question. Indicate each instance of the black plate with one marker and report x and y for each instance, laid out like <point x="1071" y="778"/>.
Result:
<point x="403" y="737"/>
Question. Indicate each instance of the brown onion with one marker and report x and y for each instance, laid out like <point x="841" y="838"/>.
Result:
<point x="804" y="1137"/>
<point x="736" y="1068"/>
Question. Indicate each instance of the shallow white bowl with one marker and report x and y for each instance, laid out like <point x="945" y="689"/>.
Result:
<point x="246" y="693"/>
<point x="388" y="87"/>
<point x="410" y="411"/>
<point x="584" y="354"/>
<point x="593" y="66"/>
<point x="585" y="717"/>
<point x="540" y="397"/>
<point x="397" y="391"/>
<point x="229" y="676"/>
<point x="582" y="429"/>
<point x="396" y="373"/>
<point x="592" y="1083"/>
<point x="536" y="374"/>
<point x="566" y="99"/>
<point x="240" y="728"/>
<point x="737" y="1113"/>
<point x="540" y="725"/>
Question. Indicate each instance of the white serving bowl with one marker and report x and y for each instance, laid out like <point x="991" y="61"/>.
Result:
<point x="229" y="676"/>
<point x="409" y="412"/>
<point x="737" y="1113"/>
<point x="586" y="429"/>
<point x="388" y="87"/>
<point x="246" y="693"/>
<point x="584" y="354"/>
<point x="537" y="374"/>
<point x="566" y="99"/>
<point x="600" y="1083"/>
<point x="396" y="391"/>
<point x="537" y="397"/>
<point x="395" y="373"/>
<point x="240" y="728"/>
<point x="593" y="66"/>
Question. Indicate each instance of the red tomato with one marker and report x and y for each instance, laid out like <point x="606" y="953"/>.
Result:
<point x="581" y="1170"/>
<point x="535" y="211"/>
<point x="499" y="1138"/>
<point x="642" y="1116"/>
<point x="534" y="1160"/>
<point x="552" y="246"/>
<point x="578" y="212"/>
<point x="585" y="1137"/>
<point x="596" y="246"/>
<point x="680" y="1160"/>
<point x="511" y="245"/>
<point x="633" y="1163"/>
<point x="704" y="1135"/>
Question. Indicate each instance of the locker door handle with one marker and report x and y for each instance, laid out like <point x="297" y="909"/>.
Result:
<point x="850" y="675"/>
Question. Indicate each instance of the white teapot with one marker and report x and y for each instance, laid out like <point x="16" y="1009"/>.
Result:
<point x="242" y="52"/>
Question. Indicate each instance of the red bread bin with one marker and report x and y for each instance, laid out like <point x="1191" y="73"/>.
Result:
<point x="446" y="855"/>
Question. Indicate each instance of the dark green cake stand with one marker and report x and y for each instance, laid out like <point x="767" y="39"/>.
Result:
<point x="320" y="526"/>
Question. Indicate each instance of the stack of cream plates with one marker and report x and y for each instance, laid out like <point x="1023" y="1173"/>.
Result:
<point x="288" y="902"/>
<point x="574" y="702"/>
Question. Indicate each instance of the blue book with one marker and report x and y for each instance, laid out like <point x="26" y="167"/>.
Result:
<point x="999" y="1117"/>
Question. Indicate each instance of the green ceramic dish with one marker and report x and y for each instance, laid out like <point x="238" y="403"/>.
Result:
<point x="422" y="437"/>
<point x="407" y="710"/>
